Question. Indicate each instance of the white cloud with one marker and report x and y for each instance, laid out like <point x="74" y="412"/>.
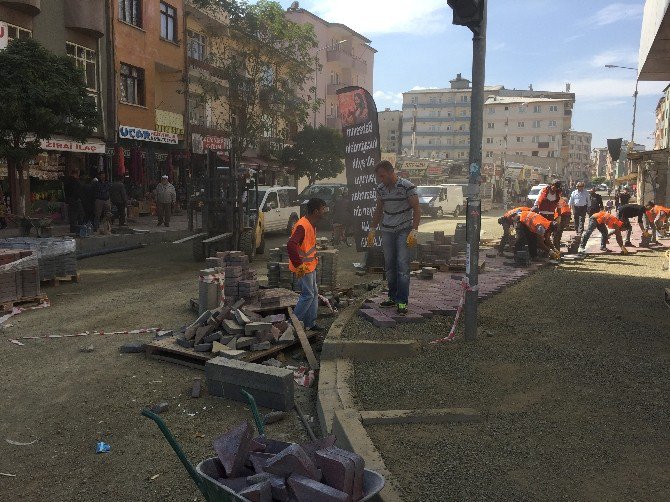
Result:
<point x="616" y="12"/>
<point x="387" y="99"/>
<point x="626" y="57"/>
<point x="603" y="89"/>
<point x="420" y="88"/>
<point x="373" y="17"/>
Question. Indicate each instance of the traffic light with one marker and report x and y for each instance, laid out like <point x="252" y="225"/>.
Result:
<point x="468" y="13"/>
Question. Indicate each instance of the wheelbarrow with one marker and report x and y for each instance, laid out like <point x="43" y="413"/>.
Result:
<point x="206" y="474"/>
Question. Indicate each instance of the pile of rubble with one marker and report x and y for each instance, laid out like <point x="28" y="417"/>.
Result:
<point x="267" y="470"/>
<point x="231" y="331"/>
<point x="280" y="276"/>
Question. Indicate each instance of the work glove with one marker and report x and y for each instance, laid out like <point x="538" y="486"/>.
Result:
<point x="646" y="234"/>
<point x="554" y="254"/>
<point x="301" y="271"/>
<point x="371" y="238"/>
<point x="411" y="239"/>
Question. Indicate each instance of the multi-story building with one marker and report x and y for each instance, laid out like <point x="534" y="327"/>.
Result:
<point x="662" y="121"/>
<point x="619" y="168"/>
<point x="599" y="162"/>
<point x="147" y="103"/>
<point x="390" y="130"/>
<point x="578" y="166"/>
<point x="343" y="57"/>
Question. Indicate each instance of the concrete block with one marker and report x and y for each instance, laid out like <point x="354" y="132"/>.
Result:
<point x="271" y="387"/>
<point x="212" y="337"/>
<point x="254" y="328"/>
<point x="257" y="347"/>
<point x="245" y="341"/>
<point x="337" y="470"/>
<point x="293" y="460"/>
<point x="203" y="347"/>
<point x="308" y="490"/>
<point x="232" y="449"/>
<point x="259" y="460"/>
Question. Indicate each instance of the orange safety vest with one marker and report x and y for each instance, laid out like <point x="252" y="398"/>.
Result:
<point x="513" y="212"/>
<point x="562" y="208"/>
<point x="605" y="218"/>
<point x="533" y="220"/>
<point x="307" y="249"/>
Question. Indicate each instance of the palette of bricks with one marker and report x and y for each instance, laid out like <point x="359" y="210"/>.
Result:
<point x="265" y="470"/>
<point x="279" y="274"/>
<point x="19" y="277"/>
<point x="56" y="256"/>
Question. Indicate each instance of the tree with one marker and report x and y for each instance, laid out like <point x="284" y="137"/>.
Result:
<point x="42" y="94"/>
<point x="598" y="180"/>
<point x="265" y="64"/>
<point x="316" y="153"/>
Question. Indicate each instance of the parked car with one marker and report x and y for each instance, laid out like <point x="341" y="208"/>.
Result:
<point x="436" y="201"/>
<point x="534" y="193"/>
<point x="280" y="207"/>
<point x="329" y="192"/>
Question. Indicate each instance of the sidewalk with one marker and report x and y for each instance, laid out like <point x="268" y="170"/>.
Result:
<point x="564" y="391"/>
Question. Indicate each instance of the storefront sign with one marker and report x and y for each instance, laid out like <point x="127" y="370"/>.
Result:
<point x="202" y="143"/>
<point x="434" y="171"/>
<point x="414" y="165"/>
<point x="138" y="134"/>
<point x="169" y="122"/>
<point x="64" y="145"/>
<point x="4" y="35"/>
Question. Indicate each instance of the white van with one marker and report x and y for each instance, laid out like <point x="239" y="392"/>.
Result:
<point x="534" y="193"/>
<point x="280" y="207"/>
<point x="438" y="201"/>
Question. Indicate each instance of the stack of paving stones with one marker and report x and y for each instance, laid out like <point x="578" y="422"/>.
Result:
<point x="56" y="256"/>
<point x="442" y="295"/>
<point x="232" y="332"/>
<point x="20" y="281"/>
<point x="435" y="253"/>
<point x="268" y="470"/>
<point x="280" y="276"/>
<point x="239" y="280"/>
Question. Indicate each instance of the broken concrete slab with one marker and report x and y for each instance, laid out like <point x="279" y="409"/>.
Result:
<point x="240" y="317"/>
<point x="308" y="490"/>
<point x="232" y="354"/>
<point x="293" y="460"/>
<point x="254" y="328"/>
<point x="212" y="337"/>
<point x="183" y="342"/>
<point x="288" y="335"/>
<point x="232" y="449"/>
<point x="218" y="347"/>
<point x="203" y="347"/>
<point x="260" y="460"/>
<point x="232" y="344"/>
<point x="245" y="341"/>
<point x="232" y="327"/>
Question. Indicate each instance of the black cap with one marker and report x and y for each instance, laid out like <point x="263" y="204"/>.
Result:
<point x="556" y="183"/>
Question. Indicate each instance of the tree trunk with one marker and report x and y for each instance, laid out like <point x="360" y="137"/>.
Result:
<point x="13" y="186"/>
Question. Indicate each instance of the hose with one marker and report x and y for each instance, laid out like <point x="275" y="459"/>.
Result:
<point x="310" y="432"/>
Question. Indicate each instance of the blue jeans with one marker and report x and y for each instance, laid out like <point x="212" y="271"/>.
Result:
<point x="307" y="307"/>
<point x="593" y="224"/>
<point x="396" y="264"/>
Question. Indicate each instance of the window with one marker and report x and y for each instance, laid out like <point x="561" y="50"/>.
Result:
<point x="132" y="84"/>
<point x="461" y="127"/>
<point x="448" y="114"/>
<point x="490" y="125"/>
<point x="552" y="138"/>
<point x="197" y="45"/>
<point x="271" y="201"/>
<point x="448" y="128"/>
<point x="464" y="99"/>
<point x="17" y="32"/>
<point x="85" y="59"/>
<point x="489" y="155"/>
<point x="461" y="155"/>
<point x="414" y="99"/>
<point x="519" y="139"/>
<point x="536" y="124"/>
<point x="130" y="11"/>
<point x="535" y="139"/>
<point x="535" y="153"/>
<point x="553" y="108"/>
<point x="537" y="109"/>
<point x="492" y="111"/>
<point x="168" y="22"/>
<point x="463" y="113"/>
<point x="552" y="154"/>
<point x="489" y="140"/>
<point x="552" y="123"/>
<point x="520" y="124"/>
<point x="433" y="100"/>
<point x="522" y="109"/>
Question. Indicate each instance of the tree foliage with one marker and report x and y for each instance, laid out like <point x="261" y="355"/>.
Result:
<point x="261" y="75"/>
<point x="316" y="153"/>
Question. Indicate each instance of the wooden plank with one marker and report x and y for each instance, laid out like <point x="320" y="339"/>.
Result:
<point x="189" y="238"/>
<point x="311" y="358"/>
<point x="32" y="301"/>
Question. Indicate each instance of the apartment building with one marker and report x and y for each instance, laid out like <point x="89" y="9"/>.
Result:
<point x="617" y="169"/>
<point x="599" y="162"/>
<point x="661" y="140"/>
<point x="390" y="130"/>
<point x="343" y="57"/>
<point x="578" y="166"/>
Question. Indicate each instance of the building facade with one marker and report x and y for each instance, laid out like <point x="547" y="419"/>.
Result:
<point x="619" y="168"/>
<point x="662" y="121"/>
<point x="390" y="130"/>
<point x="599" y="162"/>
<point x="579" y="165"/>
<point x="343" y="57"/>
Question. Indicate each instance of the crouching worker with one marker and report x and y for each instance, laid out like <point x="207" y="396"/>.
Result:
<point x="301" y="249"/>
<point x="534" y="230"/>
<point x="562" y="216"/>
<point x="603" y="220"/>
<point x="507" y="221"/>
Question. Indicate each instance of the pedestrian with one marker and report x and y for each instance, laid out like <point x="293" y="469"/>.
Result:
<point x="534" y="230"/>
<point x="165" y="200"/>
<point x="547" y="201"/>
<point x="602" y="221"/>
<point x="399" y="213"/>
<point x="579" y="203"/>
<point x="3" y="211"/>
<point x="609" y="206"/>
<point x="119" y="198"/>
<point x="624" y="197"/>
<point x="73" y="198"/>
<point x="596" y="201"/>
<point x="507" y="222"/>
<point x="103" y="206"/>
<point x="562" y="218"/>
<point x="627" y="211"/>
<point x="301" y="248"/>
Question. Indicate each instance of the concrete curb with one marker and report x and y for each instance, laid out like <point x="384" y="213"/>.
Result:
<point x="102" y="242"/>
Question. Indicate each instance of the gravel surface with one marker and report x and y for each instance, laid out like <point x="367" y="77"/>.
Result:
<point x="571" y="372"/>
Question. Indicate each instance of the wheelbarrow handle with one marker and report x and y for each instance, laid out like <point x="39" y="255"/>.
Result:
<point x="177" y="449"/>
<point x="260" y="425"/>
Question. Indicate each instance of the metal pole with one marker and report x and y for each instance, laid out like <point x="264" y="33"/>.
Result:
<point x="474" y="203"/>
<point x="632" y="134"/>
<point x="316" y="75"/>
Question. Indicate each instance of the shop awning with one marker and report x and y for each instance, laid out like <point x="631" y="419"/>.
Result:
<point x="63" y="144"/>
<point x="628" y="177"/>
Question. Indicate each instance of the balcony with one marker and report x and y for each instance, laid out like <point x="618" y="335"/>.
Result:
<point x="214" y="19"/>
<point x="85" y="16"/>
<point x="30" y="7"/>
<point x="346" y="59"/>
<point x="331" y="89"/>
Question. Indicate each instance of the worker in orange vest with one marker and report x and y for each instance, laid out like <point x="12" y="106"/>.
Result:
<point x="657" y="217"/>
<point x="547" y="201"/>
<point x="534" y="230"/>
<point x="562" y="216"/>
<point x="301" y="249"/>
<point x="507" y="221"/>
<point x="603" y="220"/>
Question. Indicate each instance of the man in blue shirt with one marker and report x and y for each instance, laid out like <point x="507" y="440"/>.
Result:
<point x="579" y="204"/>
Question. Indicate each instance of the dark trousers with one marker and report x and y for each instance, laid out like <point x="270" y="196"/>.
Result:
<point x="558" y="230"/>
<point x="164" y="210"/>
<point x="75" y="215"/>
<point x="580" y="218"/>
<point x="121" y="212"/>
<point x="593" y="224"/>
<point x="525" y="237"/>
<point x="506" y="236"/>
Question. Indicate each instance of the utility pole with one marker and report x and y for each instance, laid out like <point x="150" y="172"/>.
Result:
<point x="472" y="13"/>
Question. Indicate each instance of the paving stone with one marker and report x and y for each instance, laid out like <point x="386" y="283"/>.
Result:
<point x="359" y="472"/>
<point x="257" y="347"/>
<point x="232" y="327"/>
<point x="218" y="347"/>
<point x="203" y="347"/>
<point x="338" y="470"/>
<point x="272" y="446"/>
<point x="232" y="449"/>
<point x="255" y="328"/>
<point x="409" y="318"/>
<point x="308" y="490"/>
<point x="240" y="317"/>
<point x="288" y="335"/>
<point x="197" y="387"/>
<point x="384" y="322"/>
<point x="132" y="348"/>
<point x="293" y="460"/>
<point x="259" y="461"/>
<point x="245" y="341"/>
<point x="322" y="443"/>
<point x="273" y="362"/>
<point x="232" y="343"/>
<point x="183" y="342"/>
<point x="368" y="313"/>
<point x="232" y="354"/>
<point x="275" y="318"/>
<point x="260" y="492"/>
<point x="212" y="337"/>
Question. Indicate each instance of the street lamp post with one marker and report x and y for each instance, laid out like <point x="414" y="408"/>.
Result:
<point x="637" y="81"/>
<point x="316" y="72"/>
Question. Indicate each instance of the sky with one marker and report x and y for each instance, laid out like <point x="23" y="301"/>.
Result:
<point x="545" y="43"/>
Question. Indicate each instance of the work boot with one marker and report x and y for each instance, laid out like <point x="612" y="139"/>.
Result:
<point x="605" y="249"/>
<point x="402" y="308"/>
<point x="388" y="303"/>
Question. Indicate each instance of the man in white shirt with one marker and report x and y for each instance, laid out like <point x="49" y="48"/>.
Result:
<point x="579" y="203"/>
